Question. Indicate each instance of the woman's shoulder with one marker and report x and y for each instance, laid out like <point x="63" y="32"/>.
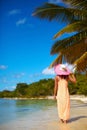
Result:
<point x="57" y="78"/>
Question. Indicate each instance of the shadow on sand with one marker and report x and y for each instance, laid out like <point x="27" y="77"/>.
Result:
<point x="76" y="118"/>
<point x="66" y="126"/>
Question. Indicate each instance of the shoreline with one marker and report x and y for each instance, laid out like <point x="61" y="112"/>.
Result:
<point x="82" y="98"/>
<point x="49" y="120"/>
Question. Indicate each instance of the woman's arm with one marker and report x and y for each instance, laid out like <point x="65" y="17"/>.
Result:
<point x="72" y="78"/>
<point x="55" y="87"/>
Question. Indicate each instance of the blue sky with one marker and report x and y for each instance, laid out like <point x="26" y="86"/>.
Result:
<point x="25" y="43"/>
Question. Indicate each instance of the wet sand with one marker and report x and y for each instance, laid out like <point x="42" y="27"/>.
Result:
<point x="48" y="120"/>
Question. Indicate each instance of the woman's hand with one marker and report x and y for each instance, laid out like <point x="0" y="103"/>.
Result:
<point x="72" y="78"/>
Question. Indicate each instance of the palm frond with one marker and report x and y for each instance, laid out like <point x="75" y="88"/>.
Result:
<point x="78" y="26"/>
<point x="65" y="43"/>
<point x="72" y="49"/>
<point x="82" y="4"/>
<point x="75" y="51"/>
<point x="56" y="12"/>
<point x="71" y="54"/>
<point x="57" y="60"/>
<point x="81" y="63"/>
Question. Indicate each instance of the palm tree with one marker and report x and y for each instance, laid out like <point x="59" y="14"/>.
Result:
<point x="72" y="49"/>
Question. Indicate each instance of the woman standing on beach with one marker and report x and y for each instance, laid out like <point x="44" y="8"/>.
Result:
<point x="61" y="91"/>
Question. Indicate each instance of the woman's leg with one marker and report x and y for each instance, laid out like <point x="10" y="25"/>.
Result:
<point x="65" y="121"/>
<point x="62" y="120"/>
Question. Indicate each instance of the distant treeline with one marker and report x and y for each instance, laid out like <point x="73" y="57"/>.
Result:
<point x="44" y="87"/>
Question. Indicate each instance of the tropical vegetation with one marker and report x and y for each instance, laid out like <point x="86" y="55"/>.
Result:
<point x="73" y="48"/>
<point x="44" y="88"/>
<point x="38" y="89"/>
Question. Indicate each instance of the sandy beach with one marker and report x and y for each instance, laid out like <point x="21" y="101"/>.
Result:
<point x="48" y="119"/>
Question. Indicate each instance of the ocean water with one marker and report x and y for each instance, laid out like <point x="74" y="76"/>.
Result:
<point x="11" y="110"/>
<point x="37" y="114"/>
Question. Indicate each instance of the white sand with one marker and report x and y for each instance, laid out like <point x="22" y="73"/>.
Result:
<point x="74" y="97"/>
<point x="79" y="97"/>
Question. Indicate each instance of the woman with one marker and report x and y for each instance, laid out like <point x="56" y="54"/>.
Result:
<point x="61" y="90"/>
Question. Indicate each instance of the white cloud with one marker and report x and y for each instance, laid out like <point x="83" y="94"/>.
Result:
<point x="48" y="71"/>
<point x="19" y="75"/>
<point x="13" y="87"/>
<point x="3" y="67"/>
<point x="14" y="11"/>
<point x="9" y="87"/>
<point x="4" y="80"/>
<point x="35" y="75"/>
<point x="6" y="88"/>
<point x="21" y="21"/>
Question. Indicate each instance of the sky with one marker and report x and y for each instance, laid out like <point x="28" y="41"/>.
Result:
<point x="25" y="43"/>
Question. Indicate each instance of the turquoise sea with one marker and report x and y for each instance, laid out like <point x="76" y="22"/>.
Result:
<point x="11" y="110"/>
<point x="38" y="114"/>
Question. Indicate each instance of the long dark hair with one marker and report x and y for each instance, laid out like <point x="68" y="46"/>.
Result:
<point x="64" y="76"/>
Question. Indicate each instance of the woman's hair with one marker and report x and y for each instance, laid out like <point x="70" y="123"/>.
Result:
<point x="63" y="76"/>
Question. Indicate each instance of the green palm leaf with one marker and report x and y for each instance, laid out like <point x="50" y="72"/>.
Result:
<point x="71" y="53"/>
<point x="59" y="13"/>
<point x="74" y="27"/>
<point x="57" y="60"/>
<point x="68" y="42"/>
<point x="75" y="51"/>
<point x="82" y="63"/>
<point x="72" y="49"/>
<point x="82" y="4"/>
